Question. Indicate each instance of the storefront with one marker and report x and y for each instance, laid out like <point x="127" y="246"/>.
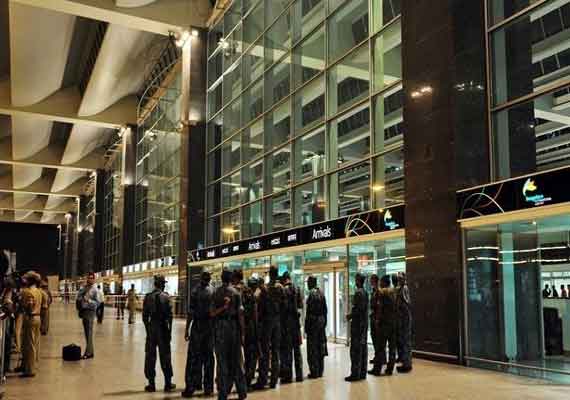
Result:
<point x="516" y="255"/>
<point x="143" y="280"/>
<point x="333" y="252"/>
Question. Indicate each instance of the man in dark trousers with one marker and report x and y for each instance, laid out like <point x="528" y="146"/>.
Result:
<point x="200" y="361"/>
<point x="404" y="324"/>
<point x="270" y="305"/>
<point x="291" y="328"/>
<point x="386" y="328"/>
<point x="374" y="317"/>
<point x="358" y="318"/>
<point x="251" y="340"/>
<point x="157" y="318"/>
<point x="227" y="311"/>
<point x="315" y="329"/>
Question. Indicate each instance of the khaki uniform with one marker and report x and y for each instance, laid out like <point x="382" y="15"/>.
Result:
<point x="32" y="305"/>
<point x="46" y="302"/>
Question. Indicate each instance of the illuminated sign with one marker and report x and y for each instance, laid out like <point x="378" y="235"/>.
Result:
<point x="322" y="233"/>
<point x="389" y="221"/>
<point x="532" y="195"/>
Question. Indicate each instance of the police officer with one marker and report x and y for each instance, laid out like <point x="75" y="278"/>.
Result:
<point x="200" y="361"/>
<point x="315" y="329"/>
<point x="358" y="318"/>
<point x="271" y="300"/>
<point x="31" y="305"/>
<point x="386" y="328"/>
<point x="227" y="311"/>
<point x="291" y="328"/>
<point x="251" y="340"/>
<point x="404" y="324"/>
<point x="374" y="317"/>
<point x="157" y="318"/>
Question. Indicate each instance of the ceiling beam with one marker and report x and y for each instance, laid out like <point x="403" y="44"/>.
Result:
<point x="63" y="106"/>
<point x="160" y="17"/>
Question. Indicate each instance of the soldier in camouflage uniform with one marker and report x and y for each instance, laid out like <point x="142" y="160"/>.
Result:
<point x="157" y="318"/>
<point x="251" y="340"/>
<point x="227" y="311"/>
<point x="315" y="329"/>
<point x="270" y="304"/>
<point x="404" y="324"/>
<point x="200" y="361"/>
<point x="291" y="327"/>
<point x="358" y="318"/>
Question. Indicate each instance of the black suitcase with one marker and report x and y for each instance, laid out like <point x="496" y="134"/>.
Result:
<point x="71" y="352"/>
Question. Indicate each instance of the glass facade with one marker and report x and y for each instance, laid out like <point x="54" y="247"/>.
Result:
<point x="530" y="74"/>
<point x="158" y="178"/>
<point x="113" y="215"/>
<point x="304" y="114"/>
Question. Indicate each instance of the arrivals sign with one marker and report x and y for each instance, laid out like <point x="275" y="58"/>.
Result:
<point x="532" y="191"/>
<point x="376" y="221"/>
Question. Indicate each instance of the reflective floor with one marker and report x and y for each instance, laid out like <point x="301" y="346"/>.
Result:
<point x="116" y="372"/>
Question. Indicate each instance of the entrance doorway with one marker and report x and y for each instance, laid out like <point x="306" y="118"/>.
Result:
<point x="332" y="280"/>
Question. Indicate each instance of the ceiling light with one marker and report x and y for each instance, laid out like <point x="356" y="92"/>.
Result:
<point x="181" y="38"/>
<point x="195" y="33"/>
<point x="79" y="229"/>
<point x="68" y="216"/>
<point x="377" y="188"/>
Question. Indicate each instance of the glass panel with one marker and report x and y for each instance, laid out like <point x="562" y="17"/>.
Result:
<point x="231" y="154"/>
<point x="215" y="68"/>
<point x="215" y="165"/>
<point x="532" y="136"/>
<point x="309" y="57"/>
<point x="309" y="105"/>
<point x="252" y="141"/>
<point x="349" y="137"/>
<point x="252" y="62"/>
<point x="349" y="81"/>
<point x="278" y="126"/>
<point x="279" y="172"/>
<point x="278" y="39"/>
<point x="347" y="28"/>
<point x="278" y="82"/>
<point x="384" y="11"/>
<point x="278" y="212"/>
<point x="213" y="199"/>
<point x="252" y="223"/>
<point x="350" y="189"/>
<point x="232" y="83"/>
<point x="215" y="100"/>
<point x="253" y="181"/>
<point x="503" y="9"/>
<point x="253" y="25"/>
<point x="388" y="56"/>
<point x="232" y="48"/>
<point x="230" y="227"/>
<point x="252" y="102"/>
<point x="273" y="8"/>
<point x="213" y="231"/>
<point x="232" y="114"/>
<point x="529" y="53"/>
<point x="388" y="184"/>
<point x="310" y="155"/>
<point x="308" y="14"/>
<point x="310" y="204"/>
<point x="214" y="36"/>
<point x="232" y="16"/>
<point x="214" y="133"/>
<point x="231" y="191"/>
<point x="388" y="118"/>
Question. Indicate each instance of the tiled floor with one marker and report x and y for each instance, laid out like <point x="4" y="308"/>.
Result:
<point x="117" y="373"/>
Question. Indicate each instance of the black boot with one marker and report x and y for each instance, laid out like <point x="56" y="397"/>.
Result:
<point x="169" y="387"/>
<point x="404" y="369"/>
<point x="151" y="387"/>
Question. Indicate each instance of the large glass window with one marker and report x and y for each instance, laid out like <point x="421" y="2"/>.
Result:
<point x="278" y="39"/>
<point x="352" y="186"/>
<point x="310" y="155"/>
<point x="388" y="180"/>
<point x="310" y="203"/>
<point x="278" y="82"/>
<point x="278" y="125"/>
<point x="384" y="11"/>
<point x="253" y="25"/>
<point x="232" y="83"/>
<point x="231" y="154"/>
<point x="309" y="57"/>
<point x="231" y="226"/>
<point x="252" y="141"/>
<point x="349" y="81"/>
<point x="309" y="105"/>
<point x="347" y="27"/>
<point x="349" y="137"/>
<point x="252" y="63"/>
<point x="231" y="191"/>
<point x="387" y="49"/>
<point x="388" y="118"/>
<point x="232" y="118"/>
<point x="253" y="181"/>
<point x="252" y="99"/>
<point x="279" y="171"/>
<point x="252" y="220"/>
<point x="278" y="211"/>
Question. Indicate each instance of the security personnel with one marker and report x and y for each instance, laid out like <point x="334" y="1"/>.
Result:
<point x="358" y="318"/>
<point x="271" y="300"/>
<point x="46" y="303"/>
<point x="374" y="318"/>
<point x="227" y="311"/>
<point x="157" y="318"/>
<point x="31" y="306"/>
<point x="386" y="328"/>
<point x="404" y="324"/>
<point x="291" y="340"/>
<point x="132" y="303"/>
<point x="315" y="329"/>
<point x="200" y="361"/>
<point x="251" y="340"/>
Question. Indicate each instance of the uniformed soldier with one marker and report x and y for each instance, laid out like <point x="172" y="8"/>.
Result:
<point x="132" y="303"/>
<point x="46" y="303"/>
<point x="251" y="340"/>
<point x="315" y="329"/>
<point x="270" y="304"/>
<point x="358" y="318"/>
<point x="404" y="324"/>
<point x="227" y="311"/>
<point x="386" y="328"/>
<point x="291" y="328"/>
<point x="200" y="361"/>
<point x="31" y="307"/>
<point x="157" y="318"/>
<point x="374" y="317"/>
